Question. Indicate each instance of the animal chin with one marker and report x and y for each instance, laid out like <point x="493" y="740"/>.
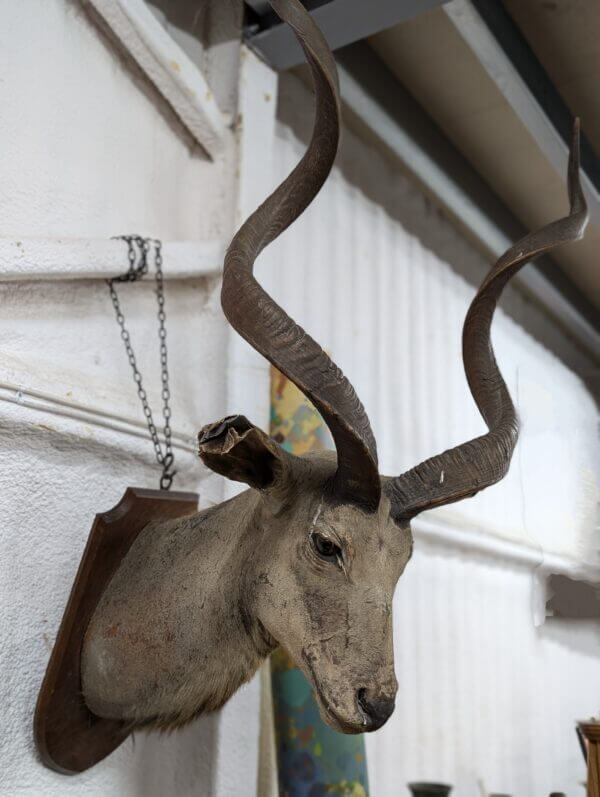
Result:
<point x="357" y="724"/>
<point x="336" y="722"/>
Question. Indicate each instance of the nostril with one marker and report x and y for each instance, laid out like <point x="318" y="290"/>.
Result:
<point x="377" y="710"/>
<point x="361" y="697"/>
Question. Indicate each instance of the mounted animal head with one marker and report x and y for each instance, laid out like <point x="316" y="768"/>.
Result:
<point x="332" y="536"/>
<point x="308" y="558"/>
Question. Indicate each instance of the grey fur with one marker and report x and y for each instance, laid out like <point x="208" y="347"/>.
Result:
<point x="199" y="602"/>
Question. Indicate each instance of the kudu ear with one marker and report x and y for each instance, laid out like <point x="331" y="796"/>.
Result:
<point x="237" y="449"/>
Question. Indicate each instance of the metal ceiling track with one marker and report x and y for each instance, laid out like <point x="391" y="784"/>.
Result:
<point x="342" y="22"/>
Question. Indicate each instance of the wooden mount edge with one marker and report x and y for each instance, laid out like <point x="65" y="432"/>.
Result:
<point x="69" y="738"/>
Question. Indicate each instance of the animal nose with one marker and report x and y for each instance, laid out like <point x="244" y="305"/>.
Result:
<point x="377" y="710"/>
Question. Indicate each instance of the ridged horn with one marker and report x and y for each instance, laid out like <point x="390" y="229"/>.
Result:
<point x="260" y="320"/>
<point x="468" y="468"/>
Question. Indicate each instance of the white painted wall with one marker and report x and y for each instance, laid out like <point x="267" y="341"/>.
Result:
<point x="485" y="698"/>
<point x="88" y="147"/>
<point x="90" y="150"/>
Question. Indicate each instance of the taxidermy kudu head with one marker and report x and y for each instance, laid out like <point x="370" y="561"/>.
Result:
<point x="309" y="556"/>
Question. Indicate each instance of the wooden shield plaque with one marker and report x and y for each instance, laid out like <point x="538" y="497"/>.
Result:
<point x="69" y="738"/>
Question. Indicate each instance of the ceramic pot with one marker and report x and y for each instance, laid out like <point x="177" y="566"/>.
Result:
<point x="429" y="789"/>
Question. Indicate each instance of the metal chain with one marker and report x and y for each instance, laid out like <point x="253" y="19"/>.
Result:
<point x="164" y="457"/>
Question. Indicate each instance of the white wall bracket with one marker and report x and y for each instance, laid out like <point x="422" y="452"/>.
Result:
<point x="89" y="258"/>
<point x="166" y="65"/>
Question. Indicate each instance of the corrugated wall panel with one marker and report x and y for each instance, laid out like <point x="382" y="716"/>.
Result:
<point x="486" y="700"/>
<point x="389" y="309"/>
<point x="483" y="696"/>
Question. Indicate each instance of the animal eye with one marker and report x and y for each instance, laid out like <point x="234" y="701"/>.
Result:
<point x="325" y="548"/>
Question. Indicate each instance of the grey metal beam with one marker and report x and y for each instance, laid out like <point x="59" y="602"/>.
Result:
<point x="342" y="22"/>
<point x="378" y="101"/>
<point x="261" y="7"/>
<point x="268" y="17"/>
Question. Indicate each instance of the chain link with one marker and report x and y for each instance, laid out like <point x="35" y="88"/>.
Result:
<point x="164" y="457"/>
